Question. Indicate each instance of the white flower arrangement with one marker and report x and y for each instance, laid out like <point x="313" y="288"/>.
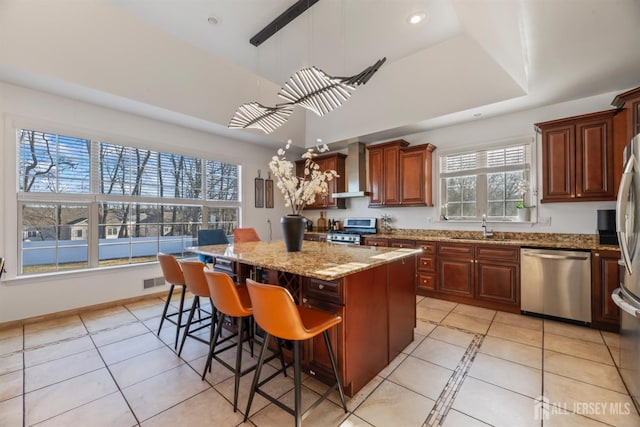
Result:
<point x="300" y="191"/>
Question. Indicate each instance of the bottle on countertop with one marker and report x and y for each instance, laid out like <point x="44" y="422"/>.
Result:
<point x="322" y="222"/>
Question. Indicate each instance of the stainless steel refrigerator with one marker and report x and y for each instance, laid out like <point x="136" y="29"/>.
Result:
<point x="627" y="296"/>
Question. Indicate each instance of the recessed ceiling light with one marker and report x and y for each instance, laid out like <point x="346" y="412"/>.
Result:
<point x="416" y="18"/>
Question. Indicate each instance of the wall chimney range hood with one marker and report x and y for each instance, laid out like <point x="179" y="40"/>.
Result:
<point x="356" y="172"/>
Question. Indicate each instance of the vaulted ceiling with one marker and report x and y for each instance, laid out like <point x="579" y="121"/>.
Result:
<point x="191" y="63"/>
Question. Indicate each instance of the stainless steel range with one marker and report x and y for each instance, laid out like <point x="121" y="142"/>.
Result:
<point x="353" y="230"/>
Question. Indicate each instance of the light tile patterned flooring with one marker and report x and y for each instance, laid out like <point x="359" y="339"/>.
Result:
<point x="467" y="366"/>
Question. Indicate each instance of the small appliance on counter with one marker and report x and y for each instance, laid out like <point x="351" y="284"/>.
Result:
<point x="607" y="227"/>
<point x="309" y="224"/>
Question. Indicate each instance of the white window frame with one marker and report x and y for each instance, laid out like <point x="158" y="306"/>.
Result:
<point x="93" y="199"/>
<point x="481" y="179"/>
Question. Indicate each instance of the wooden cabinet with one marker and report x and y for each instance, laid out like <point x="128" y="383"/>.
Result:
<point x="415" y="175"/>
<point x="400" y="175"/>
<point x="427" y="278"/>
<point x="376" y="241"/>
<point x="498" y="274"/>
<point x="605" y="277"/>
<point x="629" y="103"/>
<point x="333" y="161"/>
<point x="327" y="296"/>
<point x="626" y="125"/>
<point x="377" y="307"/>
<point x="401" y="294"/>
<point x="384" y="167"/>
<point x="315" y="237"/>
<point x="578" y="158"/>
<point x="402" y="243"/>
<point x="456" y="269"/>
<point x="479" y="274"/>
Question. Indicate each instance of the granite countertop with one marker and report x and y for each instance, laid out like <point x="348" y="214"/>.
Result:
<point x="536" y="240"/>
<point x="324" y="261"/>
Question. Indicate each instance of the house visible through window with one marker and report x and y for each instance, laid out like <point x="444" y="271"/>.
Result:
<point x="489" y="181"/>
<point x="139" y="202"/>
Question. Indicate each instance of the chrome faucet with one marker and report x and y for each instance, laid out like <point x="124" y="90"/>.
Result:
<point x="485" y="233"/>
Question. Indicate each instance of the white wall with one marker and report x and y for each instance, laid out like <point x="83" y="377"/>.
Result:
<point x="565" y="217"/>
<point x="27" y="297"/>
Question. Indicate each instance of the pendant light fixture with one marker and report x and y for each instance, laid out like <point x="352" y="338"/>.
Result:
<point x="310" y="88"/>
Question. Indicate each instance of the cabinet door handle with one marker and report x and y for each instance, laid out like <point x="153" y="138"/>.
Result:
<point x="320" y="286"/>
<point x="304" y="300"/>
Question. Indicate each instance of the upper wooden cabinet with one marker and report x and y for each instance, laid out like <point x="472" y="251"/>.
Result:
<point x="400" y="175"/>
<point x="333" y="161"/>
<point x="629" y="103"/>
<point x="578" y="158"/>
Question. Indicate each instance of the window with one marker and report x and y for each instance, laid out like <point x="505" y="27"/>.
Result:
<point x="493" y="181"/>
<point x="86" y="203"/>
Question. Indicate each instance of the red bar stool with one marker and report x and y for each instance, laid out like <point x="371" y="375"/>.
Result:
<point x="248" y="234"/>
<point x="173" y="275"/>
<point x="278" y="315"/>
<point x="197" y="284"/>
<point x="233" y="301"/>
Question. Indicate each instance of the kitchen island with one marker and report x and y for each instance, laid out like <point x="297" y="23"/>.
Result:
<point x="372" y="289"/>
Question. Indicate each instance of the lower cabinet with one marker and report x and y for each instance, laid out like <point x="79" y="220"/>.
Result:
<point x="455" y="269"/>
<point x="488" y="275"/>
<point x="315" y="352"/>
<point x="427" y="277"/>
<point x="498" y="275"/>
<point x="376" y="241"/>
<point x="378" y="310"/>
<point x="605" y="278"/>
<point x="402" y="243"/>
<point x="315" y="237"/>
<point x="401" y="296"/>
<point x="479" y="274"/>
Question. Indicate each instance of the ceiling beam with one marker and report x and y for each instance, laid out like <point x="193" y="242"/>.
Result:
<point x="281" y="21"/>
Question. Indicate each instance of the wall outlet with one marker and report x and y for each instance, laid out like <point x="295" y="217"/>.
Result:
<point x="544" y="220"/>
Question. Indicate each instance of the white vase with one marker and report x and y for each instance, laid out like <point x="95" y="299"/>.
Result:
<point x="524" y="214"/>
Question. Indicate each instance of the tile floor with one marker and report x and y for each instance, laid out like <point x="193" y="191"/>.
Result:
<point x="466" y="367"/>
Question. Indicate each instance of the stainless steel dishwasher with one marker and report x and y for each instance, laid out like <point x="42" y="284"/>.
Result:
<point x="556" y="283"/>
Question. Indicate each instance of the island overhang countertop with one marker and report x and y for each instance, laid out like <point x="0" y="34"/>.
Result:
<point x="320" y="260"/>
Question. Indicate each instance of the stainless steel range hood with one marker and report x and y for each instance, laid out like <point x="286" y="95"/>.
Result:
<point x="356" y="172"/>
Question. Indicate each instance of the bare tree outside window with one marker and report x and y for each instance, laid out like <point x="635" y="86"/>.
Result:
<point x="130" y="229"/>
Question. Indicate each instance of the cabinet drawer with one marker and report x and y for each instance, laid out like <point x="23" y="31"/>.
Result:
<point x="326" y="291"/>
<point x="427" y="281"/>
<point x="376" y="241"/>
<point x="498" y="252"/>
<point x="427" y="248"/>
<point x="455" y="250"/>
<point x="426" y="263"/>
<point x="402" y="243"/>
